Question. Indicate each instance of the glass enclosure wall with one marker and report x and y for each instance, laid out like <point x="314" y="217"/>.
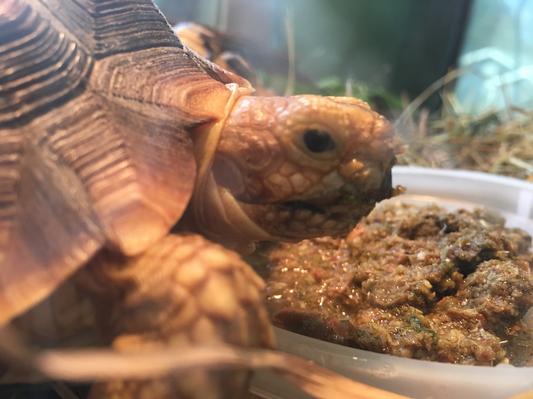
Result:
<point x="497" y="57"/>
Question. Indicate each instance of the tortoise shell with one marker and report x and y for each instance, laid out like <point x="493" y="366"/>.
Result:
<point x="97" y="101"/>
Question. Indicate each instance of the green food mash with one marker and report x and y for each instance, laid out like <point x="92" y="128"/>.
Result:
<point x="411" y="281"/>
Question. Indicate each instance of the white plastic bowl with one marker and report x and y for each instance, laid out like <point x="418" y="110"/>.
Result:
<point x="418" y="378"/>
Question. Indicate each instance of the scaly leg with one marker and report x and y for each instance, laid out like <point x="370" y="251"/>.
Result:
<point x="183" y="291"/>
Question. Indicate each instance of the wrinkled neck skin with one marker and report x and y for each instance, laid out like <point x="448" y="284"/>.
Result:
<point x="214" y="211"/>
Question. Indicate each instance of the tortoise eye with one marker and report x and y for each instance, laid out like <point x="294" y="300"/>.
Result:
<point x="318" y="141"/>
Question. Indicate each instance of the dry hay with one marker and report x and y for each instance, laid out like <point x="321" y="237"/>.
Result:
<point x="493" y="142"/>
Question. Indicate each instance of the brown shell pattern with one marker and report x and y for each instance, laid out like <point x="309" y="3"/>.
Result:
<point x="96" y="102"/>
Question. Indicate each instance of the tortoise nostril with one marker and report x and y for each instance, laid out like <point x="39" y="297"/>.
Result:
<point x="318" y="141"/>
<point x="350" y="169"/>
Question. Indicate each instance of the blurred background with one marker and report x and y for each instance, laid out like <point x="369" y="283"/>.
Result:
<point x="400" y="46"/>
<point x="456" y="77"/>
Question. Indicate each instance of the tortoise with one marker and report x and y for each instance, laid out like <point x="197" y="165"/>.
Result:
<point x="235" y="54"/>
<point x="219" y="48"/>
<point x="131" y="170"/>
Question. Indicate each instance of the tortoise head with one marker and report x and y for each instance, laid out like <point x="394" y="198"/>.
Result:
<point x="302" y="166"/>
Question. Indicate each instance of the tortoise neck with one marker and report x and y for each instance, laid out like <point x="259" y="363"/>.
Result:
<point x="214" y="211"/>
<point x="220" y="217"/>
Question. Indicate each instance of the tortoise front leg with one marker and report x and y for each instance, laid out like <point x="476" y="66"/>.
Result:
<point x="183" y="291"/>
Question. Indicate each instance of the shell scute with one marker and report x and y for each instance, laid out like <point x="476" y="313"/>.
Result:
<point x="97" y="99"/>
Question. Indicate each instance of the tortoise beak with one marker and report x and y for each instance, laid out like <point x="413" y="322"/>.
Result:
<point x="386" y="190"/>
<point x="369" y="161"/>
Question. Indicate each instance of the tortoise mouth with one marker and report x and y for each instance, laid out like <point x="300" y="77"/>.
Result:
<point x="303" y="205"/>
<point x="334" y="214"/>
<point x="343" y="201"/>
<point x="337" y="213"/>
